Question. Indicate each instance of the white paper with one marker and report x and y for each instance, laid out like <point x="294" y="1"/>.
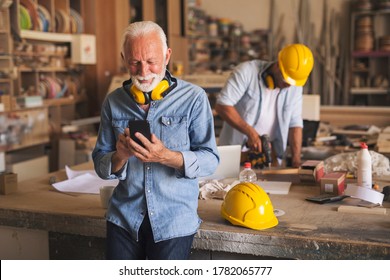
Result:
<point x="366" y="194"/>
<point x="86" y="181"/>
<point x="74" y="173"/>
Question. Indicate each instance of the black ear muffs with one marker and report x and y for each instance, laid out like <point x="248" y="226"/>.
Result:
<point x="156" y="94"/>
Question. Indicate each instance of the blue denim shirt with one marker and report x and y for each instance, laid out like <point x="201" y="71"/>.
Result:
<point x="243" y="90"/>
<point x="183" y="121"/>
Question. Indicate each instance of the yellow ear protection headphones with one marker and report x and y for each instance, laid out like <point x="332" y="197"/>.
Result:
<point x="269" y="80"/>
<point x="159" y="92"/>
<point x="145" y="97"/>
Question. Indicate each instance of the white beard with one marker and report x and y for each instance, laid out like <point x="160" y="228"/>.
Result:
<point x="147" y="87"/>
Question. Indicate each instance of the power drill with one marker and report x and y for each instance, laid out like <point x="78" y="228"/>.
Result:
<point x="266" y="149"/>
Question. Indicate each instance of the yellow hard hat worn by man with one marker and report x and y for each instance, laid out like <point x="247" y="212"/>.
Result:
<point x="248" y="205"/>
<point x="295" y="62"/>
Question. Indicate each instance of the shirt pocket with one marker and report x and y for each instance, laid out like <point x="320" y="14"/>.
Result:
<point x="119" y="126"/>
<point x="174" y="131"/>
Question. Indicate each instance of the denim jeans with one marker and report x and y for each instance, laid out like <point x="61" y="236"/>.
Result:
<point x="121" y="246"/>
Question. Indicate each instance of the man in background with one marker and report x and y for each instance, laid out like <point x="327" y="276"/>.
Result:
<point x="265" y="98"/>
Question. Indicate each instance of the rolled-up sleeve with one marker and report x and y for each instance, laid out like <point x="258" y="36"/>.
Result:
<point x="199" y="164"/>
<point x="105" y="147"/>
<point x="103" y="168"/>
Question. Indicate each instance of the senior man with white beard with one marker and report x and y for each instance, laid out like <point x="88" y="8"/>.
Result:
<point x="152" y="213"/>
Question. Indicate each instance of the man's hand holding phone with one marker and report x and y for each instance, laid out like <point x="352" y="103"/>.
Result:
<point x="149" y="151"/>
<point x="155" y="151"/>
<point x="141" y="126"/>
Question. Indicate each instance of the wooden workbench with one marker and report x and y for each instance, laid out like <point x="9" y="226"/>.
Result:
<point x="305" y="231"/>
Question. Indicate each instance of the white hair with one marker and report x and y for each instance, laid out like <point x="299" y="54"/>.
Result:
<point x="141" y="28"/>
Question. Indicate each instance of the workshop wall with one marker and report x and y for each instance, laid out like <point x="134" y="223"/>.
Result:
<point x="323" y="25"/>
<point x="255" y="14"/>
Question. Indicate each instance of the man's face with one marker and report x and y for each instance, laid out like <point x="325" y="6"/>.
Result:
<point x="279" y="79"/>
<point x="145" y="61"/>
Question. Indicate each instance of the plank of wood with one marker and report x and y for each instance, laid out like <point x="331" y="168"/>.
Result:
<point x="361" y="210"/>
<point x="383" y="178"/>
<point x="280" y="171"/>
<point x="340" y="116"/>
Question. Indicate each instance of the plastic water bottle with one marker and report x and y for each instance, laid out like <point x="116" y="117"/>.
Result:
<point x="364" y="167"/>
<point x="248" y="175"/>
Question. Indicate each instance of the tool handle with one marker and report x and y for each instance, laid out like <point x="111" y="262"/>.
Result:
<point x="266" y="148"/>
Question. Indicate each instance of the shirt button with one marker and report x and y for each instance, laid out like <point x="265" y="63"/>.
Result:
<point x="148" y="191"/>
<point x="151" y="213"/>
<point x="168" y="122"/>
<point x="148" y="167"/>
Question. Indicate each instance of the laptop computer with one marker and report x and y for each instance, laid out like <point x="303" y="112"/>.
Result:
<point x="229" y="163"/>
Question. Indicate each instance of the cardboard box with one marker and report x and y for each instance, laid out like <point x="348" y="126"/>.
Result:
<point x="333" y="183"/>
<point x="311" y="171"/>
<point x="30" y="168"/>
<point x="6" y="100"/>
<point x="8" y="183"/>
<point x="84" y="49"/>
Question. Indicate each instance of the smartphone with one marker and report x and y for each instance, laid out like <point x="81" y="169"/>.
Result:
<point x="141" y="126"/>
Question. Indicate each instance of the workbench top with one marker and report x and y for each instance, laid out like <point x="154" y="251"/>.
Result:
<point x="306" y="230"/>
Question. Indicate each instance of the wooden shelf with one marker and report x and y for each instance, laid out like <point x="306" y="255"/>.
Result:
<point x="369" y="69"/>
<point x="360" y="70"/>
<point x="371" y="54"/>
<point x="15" y="147"/>
<point x="372" y="12"/>
<point x="46" y="36"/>
<point x="339" y="116"/>
<point x="43" y="69"/>
<point x="221" y="50"/>
<point x="208" y="81"/>
<point x="57" y="56"/>
<point x="369" y="90"/>
<point x="59" y="101"/>
<point x="40" y="54"/>
<point x="38" y="134"/>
